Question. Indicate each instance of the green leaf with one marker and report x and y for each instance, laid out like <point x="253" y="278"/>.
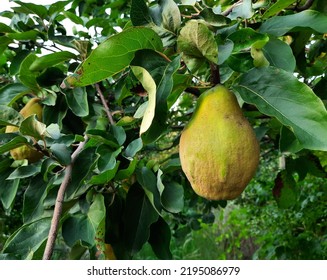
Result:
<point x="288" y="142"/>
<point x="285" y="190"/>
<point x="197" y="43"/>
<point x="140" y="13"/>
<point x="159" y="240"/>
<point x="119" y="134"/>
<point x="107" y="159"/>
<point x="12" y="92"/>
<point x="9" y="116"/>
<point x="33" y="199"/>
<point x="24" y="172"/>
<point x="150" y="86"/>
<point x="172" y="197"/>
<point x="127" y="172"/>
<point x="11" y="141"/>
<point x="103" y="137"/>
<point x="4" y="28"/>
<point x="26" y="76"/>
<point x="105" y="176"/>
<point x="24" y="36"/>
<point x="280" y="25"/>
<point x="243" y="10"/>
<point x="148" y="181"/>
<point x="167" y="15"/>
<point x="277" y="7"/>
<point x="278" y="93"/>
<point x="280" y="55"/>
<point x="247" y="37"/>
<point x="171" y="194"/>
<point x="73" y="17"/>
<point x="114" y="55"/>
<point x="214" y="19"/>
<point x="133" y="147"/>
<point x="84" y="164"/>
<point x="31" y="8"/>
<point x="62" y="153"/>
<point x="8" y="188"/>
<point x="83" y="228"/>
<point x="46" y="61"/>
<point x="77" y="101"/>
<point x="139" y="215"/>
<point x="27" y="239"/>
<point x="32" y="127"/>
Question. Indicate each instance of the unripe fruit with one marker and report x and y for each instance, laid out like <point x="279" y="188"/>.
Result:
<point x="26" y="152"/>
<point x="218" y="148"/>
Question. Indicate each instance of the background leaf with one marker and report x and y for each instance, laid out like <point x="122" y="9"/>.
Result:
<point x="278" y="93"/>
<point x="139" y="215"/>
<point x="280" y="25"/>
<point x="28" y="238"/>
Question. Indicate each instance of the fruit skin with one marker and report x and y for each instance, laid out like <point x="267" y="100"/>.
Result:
<point x="218" y="148"/>
<point x="26" y="152"/>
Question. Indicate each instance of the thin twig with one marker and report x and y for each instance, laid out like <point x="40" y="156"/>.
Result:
<point x="59" y="203"/>
<point x="105" y="105"/>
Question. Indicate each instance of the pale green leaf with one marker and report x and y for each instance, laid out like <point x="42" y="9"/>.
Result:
<point x="150" y="86"/>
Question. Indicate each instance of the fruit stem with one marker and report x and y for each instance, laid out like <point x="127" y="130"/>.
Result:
<point x="215" y="75"/>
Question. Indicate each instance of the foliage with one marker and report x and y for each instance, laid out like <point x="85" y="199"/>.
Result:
<point x="115" y="98"/>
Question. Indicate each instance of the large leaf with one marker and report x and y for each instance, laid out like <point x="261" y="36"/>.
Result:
<point x="83" y="228"/>
<point x="27" y="239"/>
<point x="278" y="93"/>
<point x="160" y="239"/>
<point x="114" y="55"/>
<point x="280" y="25"/>
<point x="139" y="215"/>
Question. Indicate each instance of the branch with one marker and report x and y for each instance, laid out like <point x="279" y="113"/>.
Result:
<point x="305" y="6"/>
<point x="59" y="203"/>
<point x="230" y="9"/>
<point x="105" y="105"/>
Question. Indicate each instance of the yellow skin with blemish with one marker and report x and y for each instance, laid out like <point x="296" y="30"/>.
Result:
<point x="26" y="152"/>
<point x="218" y="149"/>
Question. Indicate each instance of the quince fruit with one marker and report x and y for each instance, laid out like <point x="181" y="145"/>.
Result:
<point x="218" y="148"/>
<point x="27" y="152"/>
